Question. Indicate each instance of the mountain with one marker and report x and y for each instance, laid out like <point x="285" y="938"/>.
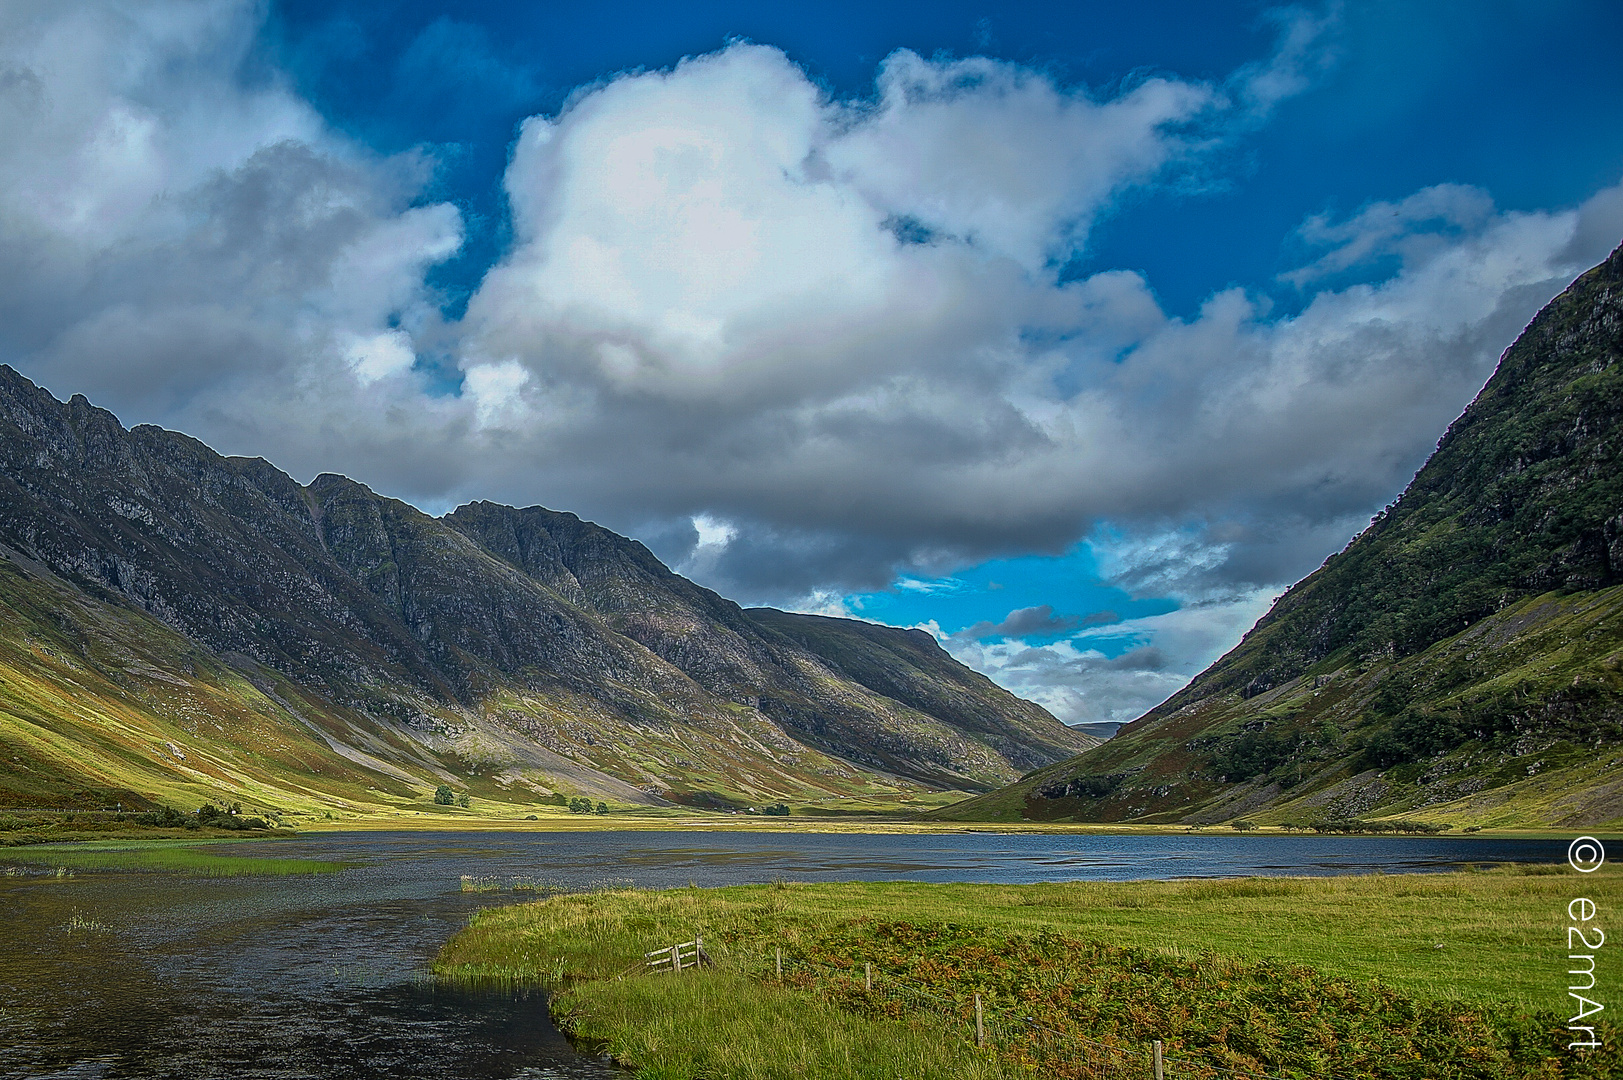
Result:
<point x="1458" y="662"/>
<point x="180" y="625"/>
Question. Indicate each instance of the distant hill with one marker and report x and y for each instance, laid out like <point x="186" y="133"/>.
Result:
<point x="179" y="625"/>
<point x="1459" y="661"/>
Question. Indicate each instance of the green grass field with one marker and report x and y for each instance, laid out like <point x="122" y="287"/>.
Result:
<point x="1308" y="975"/>
<point x="189" y="857"/>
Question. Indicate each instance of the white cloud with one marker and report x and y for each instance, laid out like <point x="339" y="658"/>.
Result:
<point x="1393" y="228"/>
<point x="495" y="390"/>
<point x="999" y="156"/>
<point x="379" y="355"/>
<point x="720" y="314"/>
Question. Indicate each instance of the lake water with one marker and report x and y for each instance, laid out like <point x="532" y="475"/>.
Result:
<point x="325" y="975"/>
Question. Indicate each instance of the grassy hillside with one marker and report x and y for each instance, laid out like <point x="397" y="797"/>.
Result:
<point x="1459" y="662"/>
<point x="1514" y="722"/>
<point x="102" y="705"/>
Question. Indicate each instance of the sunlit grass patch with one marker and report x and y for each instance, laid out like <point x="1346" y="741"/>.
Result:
<point x="158" y="856"/>
<point x="722" y="1024"/>
<point x="1413" y="966"/>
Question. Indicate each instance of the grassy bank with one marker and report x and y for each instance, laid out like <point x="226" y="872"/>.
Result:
<point x="1340" y="975"/>
<point x="189" y="857"/>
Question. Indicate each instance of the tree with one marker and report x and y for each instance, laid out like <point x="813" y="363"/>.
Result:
<point x="444" y="796"/>
<point x="602" y="807"/>
<point x="462" y="800"/>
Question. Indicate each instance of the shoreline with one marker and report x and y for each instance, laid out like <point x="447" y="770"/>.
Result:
<point x="632" y="823"/>
<point x="878" y="825"/>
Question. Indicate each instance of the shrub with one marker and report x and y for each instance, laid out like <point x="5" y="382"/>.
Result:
<point x="167" y="817"/>
<point x="463" y="800"/>
<point x="229" y="818"/>
<point x="444" y="796"/>
<point x="602" y="807"/>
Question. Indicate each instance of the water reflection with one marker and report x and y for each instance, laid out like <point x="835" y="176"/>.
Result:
<point x="148" y="975"/>
<point x="156" y="976"/>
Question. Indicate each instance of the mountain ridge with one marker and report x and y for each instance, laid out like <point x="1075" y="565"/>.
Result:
<point x="525" y="635"/>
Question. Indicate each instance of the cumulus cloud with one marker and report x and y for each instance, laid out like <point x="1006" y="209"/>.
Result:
<point x="187" y="241"/>
<point x="719" y="312"/>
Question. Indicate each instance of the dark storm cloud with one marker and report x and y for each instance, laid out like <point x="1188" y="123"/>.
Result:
<point x="1028" y="622"/>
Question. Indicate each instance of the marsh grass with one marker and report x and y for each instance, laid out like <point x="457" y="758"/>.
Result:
<point x="1353" y="948"/>
<point x="723" y="1024"/>
<point x="158" y="856"/>
<point x="79" y="922"/>
<point x="491" y="883"/>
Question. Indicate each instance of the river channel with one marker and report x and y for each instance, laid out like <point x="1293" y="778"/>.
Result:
<point x="155" y="975"/>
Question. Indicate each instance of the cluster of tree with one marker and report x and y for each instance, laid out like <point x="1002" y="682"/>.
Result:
<point x="1358" y="825"/>
<point x="581" y="805"/>
<point x="1254" y="754"/>
<point x="444" y="796"/>
<point x="229" y="817"/>
<point x="215" y="817"/>
<point x="776" y="809"/>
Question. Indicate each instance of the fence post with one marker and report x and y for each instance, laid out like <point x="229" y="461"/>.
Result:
<point x="1160" y="1069"/>
<point x="779" y="951"/>
<point x="867" y="976"/>
<point x="676" y="958"/>
<point x="980" y="1023"/>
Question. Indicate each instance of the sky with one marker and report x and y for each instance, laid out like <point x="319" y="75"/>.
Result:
<point x="1071" y="333"/>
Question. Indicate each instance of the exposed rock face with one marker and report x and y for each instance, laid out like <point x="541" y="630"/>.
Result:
<point x="529" y="624"/>
<point x="1460" y="658"/>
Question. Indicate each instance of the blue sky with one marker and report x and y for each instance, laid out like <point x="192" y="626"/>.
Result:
<point x="1073" y="333"/>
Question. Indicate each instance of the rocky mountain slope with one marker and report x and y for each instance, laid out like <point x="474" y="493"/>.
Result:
<point x="173" y="617"/>
<point x="1458" y="662"/>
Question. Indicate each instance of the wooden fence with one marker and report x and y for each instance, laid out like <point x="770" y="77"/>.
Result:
<point x="678" y="957"/>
